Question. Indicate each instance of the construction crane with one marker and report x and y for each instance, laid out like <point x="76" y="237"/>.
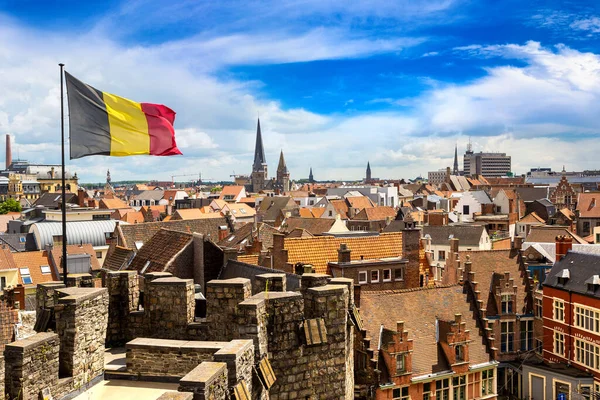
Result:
<point x="199" y="175"/>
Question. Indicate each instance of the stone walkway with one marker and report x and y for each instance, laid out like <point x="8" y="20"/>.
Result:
<point x="127" y="390"/>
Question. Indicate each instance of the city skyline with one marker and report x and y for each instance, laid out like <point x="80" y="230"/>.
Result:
<point x="335" y="87"/>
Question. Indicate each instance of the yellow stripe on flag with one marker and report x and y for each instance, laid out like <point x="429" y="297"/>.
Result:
<point x="128" y="126"/>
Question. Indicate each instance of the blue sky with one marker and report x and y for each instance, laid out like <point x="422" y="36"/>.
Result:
<point x="336" y="84"/>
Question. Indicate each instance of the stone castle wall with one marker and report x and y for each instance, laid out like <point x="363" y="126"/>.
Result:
<point x="31" y="366"/>
<point x="272" y="320"/>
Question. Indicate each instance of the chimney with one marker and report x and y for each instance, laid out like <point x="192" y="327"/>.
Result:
<point x="518" y="243"/>
<point x="223" y="232"/>
<point x="563" y="245"/>
<point x="8" y="152"/>
<point x="357" y="296"/>
<point x="343" y="253"/>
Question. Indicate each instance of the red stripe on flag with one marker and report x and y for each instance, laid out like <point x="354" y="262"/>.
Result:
<point x="160" y="129"/>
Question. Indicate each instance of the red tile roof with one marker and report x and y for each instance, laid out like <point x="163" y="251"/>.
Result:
<point x="588" y="205"/>
<point x="320" y="250"/>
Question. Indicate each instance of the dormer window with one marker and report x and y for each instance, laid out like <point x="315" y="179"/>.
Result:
<point x="563" y="276"/>
<point x="459" y="353"/>
<point x="400" y="364"/>
<point x="507" y="304"/>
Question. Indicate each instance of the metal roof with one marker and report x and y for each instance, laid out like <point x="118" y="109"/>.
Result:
<point x="93" y="232"/>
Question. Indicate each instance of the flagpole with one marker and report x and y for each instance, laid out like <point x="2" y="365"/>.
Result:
<point x="64" y="194"/>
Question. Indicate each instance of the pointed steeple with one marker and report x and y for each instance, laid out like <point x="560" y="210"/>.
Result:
<point x="282" y="167"/>
<point x="455" y="170"/>
<point x="311" y="179"/>
<point x="259" y="151"/>
<point x="368" y="177"/>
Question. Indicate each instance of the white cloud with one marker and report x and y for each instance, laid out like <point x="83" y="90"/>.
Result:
<point x="530" y="108"/>
<point x="591" y="24"/>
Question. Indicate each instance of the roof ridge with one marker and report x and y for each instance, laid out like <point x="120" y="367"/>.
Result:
<point x="416" y="289"/>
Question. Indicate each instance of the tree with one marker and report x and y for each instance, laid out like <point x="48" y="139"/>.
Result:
<point x="10" y="205"/>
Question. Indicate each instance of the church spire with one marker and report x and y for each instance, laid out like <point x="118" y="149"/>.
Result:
<point x="259" y="151"/>
<point x="311" y="178"/>
<point x="368" y="177"/>
<point x="282" y="167"/>
<point x="455" y="170"/>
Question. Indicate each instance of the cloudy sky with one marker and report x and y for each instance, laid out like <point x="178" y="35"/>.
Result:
<point x="336" y="84"/>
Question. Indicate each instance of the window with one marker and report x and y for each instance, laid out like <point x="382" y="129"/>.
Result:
<point x="398" y="274"/>
<point x="587" y="353"/>
<point x="538" y="346"/>
<point x="526" y="335"/>
<point x="362" y="277"/>
<point x="538" y="308"/>
<point x="2" y="283"/>
<point x="487" y="382"/>
<point x="459" y="387"/>
<point x="507" y="304"/>
<point x="400" y="365"/>
<point x="330" y="213"/>
<point x="45" y="269"/>
<point x="559" y="310"/>
<point x="26" y="276"/>
<point x="586" y="228"/>
<point x="387" y="275"/>
<point x="465" y="210"/>
<point x="562" y="390"/>
<point x="375" y="276"/>
<point x="507" y="332"/>
<point x="442" y="389"/>
<point x="459" y="353"/>
<point x="586" y="391"/>
<point x="98" y="254"/>
<point x="559" y="344"/>
<point x="441" y="255"/>
<point x="400" y="393"/>
<point x="427" y="391"/>
<point x="587" y="319"/>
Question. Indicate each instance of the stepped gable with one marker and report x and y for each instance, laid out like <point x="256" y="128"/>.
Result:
<point x="419" y="308"/>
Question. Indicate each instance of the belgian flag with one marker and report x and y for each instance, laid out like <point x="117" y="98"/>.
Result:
<point x="101" y="123"/>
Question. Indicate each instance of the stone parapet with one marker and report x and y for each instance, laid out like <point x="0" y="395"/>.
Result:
<point x="222" y="299"/>
<point x="44" y="296"/>
<point x="31" y="366"/>
<point x="169" y="306"/>
<point x="124" y="294"/>
<point x="239" y="357"/>
<point x="269" y="283"/>
<point x="208" y="381"/>
<point x="164" y="357"/>
<point x="81" y="321"/>
<point x="313" y="280"/>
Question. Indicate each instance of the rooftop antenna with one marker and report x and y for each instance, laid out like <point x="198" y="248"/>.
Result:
<point x="469" y="145"/>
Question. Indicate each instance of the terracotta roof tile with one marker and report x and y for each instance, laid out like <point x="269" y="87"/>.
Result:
<point x="320" y="250"/>
<point x="34" y="260"/>
<point x="143" y="232"/>
<point x="112" y="204"/>
<point x="376" y="213"/>
<point x="158" y="252"/>
<point x="548" y="234"/>
<point x="340" y="207"/>
<point x="360" y="202"/>
<point x="194" y="213"/>
<point x="588" y="205"/>
<point x="318" y="211"/>
<point x="316" y="226"/>
<point x="248" y="259"/>
<point x="230" y="190"/>
<point x="419" y="309"/>
<point x="134" y="217"/>
<point x="306" y="213"/>
<point x="118" y="259"/>
<point x="7" y="260"/>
